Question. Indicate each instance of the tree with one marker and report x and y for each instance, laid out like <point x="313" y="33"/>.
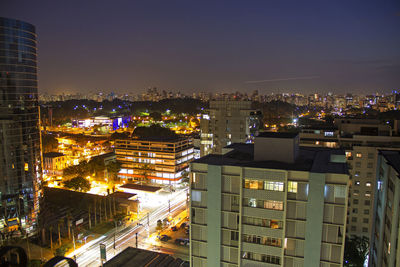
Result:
<point x="156" y="116"/>
<point x="96" y="166"/>
<point x="60" y="224"/>
<point x="355" y="251"/>
<point x="113" y="169"/>
<point x="153" y="131"/>
<point x="78" y="184"/>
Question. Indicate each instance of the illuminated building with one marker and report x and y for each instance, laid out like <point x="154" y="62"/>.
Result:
<point x="384" y="245"/>
<point x="54" y="163"/>
<point x="269" y="204"/>
<point x="110" y="123"/>
<point x="361" y="139"/>
<point x="227" y="122"/>
<point x="20" y="161"/>
<point x="160" y="160"/>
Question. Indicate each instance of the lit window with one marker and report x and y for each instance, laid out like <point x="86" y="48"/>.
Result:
<point x="292" y="187"/>
<point x="317" y="142"/>
<point x="359" y="155"/>
<point x="252" y="202"/>
<point x="368" y="184"/>
<point x="26" y="167"/>
<point x="348" y="154"/>
<point x="357" y="183"/>
<point x="273" y="186"/>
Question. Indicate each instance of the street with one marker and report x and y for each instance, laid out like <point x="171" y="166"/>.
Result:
<point x="89" y="254"/>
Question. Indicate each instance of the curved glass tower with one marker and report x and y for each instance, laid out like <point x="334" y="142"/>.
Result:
<point x="20" y="158"/>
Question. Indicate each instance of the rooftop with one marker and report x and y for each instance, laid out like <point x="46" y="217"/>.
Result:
<point x="277" y="135"/>
<point x="122" y="195"/>
<point x="311" y="159"/>
<point x="393" y="159"/>
<point x="53" y="155"/>
<point x="147" y="188"/>
<point x="141" y="258"/>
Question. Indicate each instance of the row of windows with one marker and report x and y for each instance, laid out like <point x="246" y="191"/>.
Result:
<point x="354" y="219"/>
<point x="366" y="202"/>
<point x="261" y="257"/>
<point x="364" y="229"/>
<point x="269" y="185"/>
<point x="367" y="184"/>
<point x="274" y="224"/>
<point x="359" y="155"/>
<point x="265" y="204"/>
<point x="355" y="211"/>
<point x="262" y="240"/>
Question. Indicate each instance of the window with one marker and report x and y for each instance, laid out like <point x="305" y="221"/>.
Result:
<point x="348" y="154"/>
<point x="355" y="210"/>
<point x="357" y="173"/>
<point x="366" y="211"/>
<point x="355" y="201"/>
<point x="370" y="155"/>
<point x="368" y="194"/>
<point x="370" y="165"/>
<point x="367" y="202"/>
<point x="357" y="183"/>
<point x="354" y="219"/>
<point x="353" y="228"/>
<point x="358" y="164"/>
<point x="365" y="220"/>
<point x="273" y="205"/>
<point x="359" y="155"/>
<point x="273" y="186"/>
<point x="234" y="236"/>
<point x="292" y="187"/>
<point x="253" y="184"/>
<point x="365" y="230"/>
<point x="368" y="184"/>
<point x="252" y="202"/>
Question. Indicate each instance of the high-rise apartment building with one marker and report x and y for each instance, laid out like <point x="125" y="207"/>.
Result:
<point x="227" y="122"/>
<point x="20" y="160"/>
<point x="271" y="203"/>
<point x="385" y="248"/>
<point x="158" y="160"/>
<point x="361" y="140"/>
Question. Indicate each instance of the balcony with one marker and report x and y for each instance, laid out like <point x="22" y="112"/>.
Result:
<point x="262" y="230"/>
<point x="263" y="213"/>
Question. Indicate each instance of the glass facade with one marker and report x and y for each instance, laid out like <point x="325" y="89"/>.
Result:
<point x="20" y="159"/>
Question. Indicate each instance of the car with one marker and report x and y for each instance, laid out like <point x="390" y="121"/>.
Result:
<point x="183" y="225"/>
<point x="174" y="228"/>
<point x="186" y="241"/>
<point x="164" y="238"/>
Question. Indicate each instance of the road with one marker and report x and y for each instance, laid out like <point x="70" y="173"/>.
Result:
<point x="89" y="254"/>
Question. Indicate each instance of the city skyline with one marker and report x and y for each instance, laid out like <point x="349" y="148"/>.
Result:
<point x="272" y="47"/>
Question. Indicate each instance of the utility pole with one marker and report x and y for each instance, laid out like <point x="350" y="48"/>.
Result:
<point x="136" y="240"/>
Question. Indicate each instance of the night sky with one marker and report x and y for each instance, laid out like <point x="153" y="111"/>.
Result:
<point x="190" y="46"/>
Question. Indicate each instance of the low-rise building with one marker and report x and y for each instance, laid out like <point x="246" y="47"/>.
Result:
<point x="158" y="160"/>
<point x="54" y="163"/>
